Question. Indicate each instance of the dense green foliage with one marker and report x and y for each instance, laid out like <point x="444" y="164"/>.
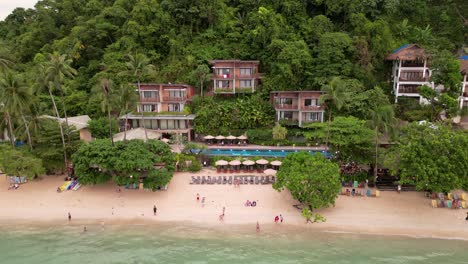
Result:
<point x="125" y="162"/>
<point x="312" y="179"/>
<point x="14" y="162"/>
<point x="99" y="127"/>
<point x="432" y="157"/>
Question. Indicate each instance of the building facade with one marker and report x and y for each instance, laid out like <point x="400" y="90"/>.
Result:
<point x="410" y="71"/>
<point x="234" y="76"/>
<point x="163" y="106"/>
<point x="297" y="107"/>
<point x="464" y="84"/>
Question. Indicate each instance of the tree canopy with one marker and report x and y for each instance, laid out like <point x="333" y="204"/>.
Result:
<point x="312" y="179"/>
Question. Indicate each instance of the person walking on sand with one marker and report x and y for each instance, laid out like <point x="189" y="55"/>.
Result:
<point x="198" y="197"/>
<point x="399" y="188"/>
<point x="258" y="227"/>
<point x="155" y="210"/>
<point x="224" y="209"/>
<point x="203" y="202"/>
<point x="69" y="216"/>
<point x="466" y="216"/>
<point x="281" y="218"/>
<point x="276" y="219"/>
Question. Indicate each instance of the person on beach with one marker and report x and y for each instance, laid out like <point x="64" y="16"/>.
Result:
<point x="69" y="216"/>
<point x="198" y="197"/>
<point x="399" y="188"/>
<point x="221" y="217"/>
<point x="155" y="210"/>
<point x="84" y="229"/>
<point x="281" y="218"/>
<point x="224" y="210"/>
<point x="203" y="202"/>
<point x="276" y="219"/>
<point x="466" y="216"/>
<point x="258" y="227"/>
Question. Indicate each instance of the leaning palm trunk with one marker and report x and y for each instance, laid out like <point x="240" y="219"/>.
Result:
<point x="126" y="122"/>
<point x="65" y="115"/>
<point x="142" y="113"/>
<point x="61" y="130"/>
<point x="10" y="128"/>
<point x="376" y="152"/>
<point x="110" y="121"/>
<point x="328" y="129"/>
<point x="27" y="130"/>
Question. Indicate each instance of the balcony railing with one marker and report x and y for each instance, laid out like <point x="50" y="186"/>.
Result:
<point x="223" y="90"/>
<point x="289" y="122"/>
<point x="149" y="99"/>
<point x="413" y="79"/>
<point x="223" y="76"/>
<point x="174" y="98"/>
<point x="286" y="106"/>
<point x="311" y="107"/>
<point x="414" y="90"/>
<point x="244" y="90"/>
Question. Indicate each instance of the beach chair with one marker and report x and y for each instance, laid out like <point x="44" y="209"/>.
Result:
<point x="230" y="180"/>
<point x="267" y="180"/>
<point x="198" y="180"/>
<point x="463" y="196"/>
<point x="363" y="193"/>
<point x="441" y="196"/>
<point x="449" y="203"/>
<point x="434" y="203"/>
<point x="262" y="179"/>
<point x="220" y="180"/>
<point x="273" y="179"/>
<point x="224" y="179"/>
<point x="368" y="193"/>
<point x="257" y="180"/>
<point x="193" y="180"/>
<point x="463" y="204"/>
<point x="449" y="196"/>
<point x="355" y="184"/>
<point x="203" y="180"/>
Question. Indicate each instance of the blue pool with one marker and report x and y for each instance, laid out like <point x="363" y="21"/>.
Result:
<point x="258" y="152"/>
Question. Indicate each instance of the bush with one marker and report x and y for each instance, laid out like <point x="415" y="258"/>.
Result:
<point x="99" y="128"/>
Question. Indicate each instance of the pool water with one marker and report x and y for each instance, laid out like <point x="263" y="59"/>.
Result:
<point x="259" y="152"/>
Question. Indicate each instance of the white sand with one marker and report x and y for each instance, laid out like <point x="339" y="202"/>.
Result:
<point x="392" y="213"/>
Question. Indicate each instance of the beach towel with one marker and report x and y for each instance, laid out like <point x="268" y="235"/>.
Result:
<point x="355" y="185"/>
<point x="463" y="196"/>
<point x="77" y="186"/>
<point x="377" y="193"/>
<point x="368" y="193"/>
<point x="434" y="203"/>
<point x="449" y="204"/>
<point x="463" y="205"/>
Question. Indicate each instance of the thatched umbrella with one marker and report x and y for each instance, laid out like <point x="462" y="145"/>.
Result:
<point x="262" y="162"/>
<point x="231" y="138"/>
<point x="234" y="164"/>
<point x="270" y="172"/>
<point x="220" y="138"/>
<point x="276" y="163"/>
<point x="248" y="163"/>
<point x="221" y="163"/>
<point x="209" y="138"/>
<point x="242" y="138"/>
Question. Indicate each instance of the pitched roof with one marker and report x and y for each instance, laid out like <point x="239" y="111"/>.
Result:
<point x="464" y="64"/>
<point x="79" y="122"/>
<point x="407" y="52"/>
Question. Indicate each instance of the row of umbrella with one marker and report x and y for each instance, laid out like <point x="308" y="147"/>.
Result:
<point x="247" y="162"/>
<point x="209" y="137"/>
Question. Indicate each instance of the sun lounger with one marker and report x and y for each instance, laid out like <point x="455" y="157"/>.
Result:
<point x="203" y="180"/>
<point x="441" y="196"/>
<point x="224" y="179"/>
<point x="434" y="203"/>
<point x="267" y="180"/>
<point x="77" y="187"/>
<point x="273" y="179"/>
<point x="230" y="180"/>
<point x="220" y="180"/>
<point x="377" y="193"/>
<point x="193" y="180"/>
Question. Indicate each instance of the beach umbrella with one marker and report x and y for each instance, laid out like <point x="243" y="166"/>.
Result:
<point x="220" y="137"/>
<point x="231" y="137"/>
<point x="248" y="163"/>
<point x="235" y="163"/>
<point x="208" y="137"/>
<point x="262" y="161"/>
<point x="221" y="163"/>
<point x="137" y="133"/>
<point x="242" y="137"/>
<point x="276" y="163"/>
<point x="269" y="172"/>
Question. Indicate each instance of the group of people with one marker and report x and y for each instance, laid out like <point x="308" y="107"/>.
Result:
<point x="279" y="218"/>
<point x="249" y="203"/>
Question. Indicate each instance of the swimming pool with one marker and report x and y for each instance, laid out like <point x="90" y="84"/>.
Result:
<point x="259" y="152"/>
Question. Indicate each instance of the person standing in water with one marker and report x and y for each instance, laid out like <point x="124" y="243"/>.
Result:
<point x="258" y="227"/>
<point x="69" y="216"/>
<point x="155" y="210"/>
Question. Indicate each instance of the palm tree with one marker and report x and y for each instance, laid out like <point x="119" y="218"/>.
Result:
<point x="334" y="96"/>
<point x="4" y="63"/>
<point x="382" y="121"/>
<point x="15" y="97"/>
<point x="139" y="65"/>
<point x="58" y="68"/>
<point x="106" y="86"/>
<point x="42" y="82"/>
<point x="126" y="100"/>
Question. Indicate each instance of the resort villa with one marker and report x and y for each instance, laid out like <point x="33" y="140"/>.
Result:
<point x="163" y="106"/>
<point x="234" y="76"/>
<point x="297" y="107"/>
<point x="464" y="90"/>
<point x="410" y="71"/>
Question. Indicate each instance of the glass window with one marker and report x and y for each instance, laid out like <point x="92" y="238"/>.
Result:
<point x="149" y="94"/>
<point x="311" y="102"/>
<point x="149" y="108"/>
<point x="135" y="123"/>
<point x="246" y="71"/>
<point x="170" y="124"/>
<point x="147" y="123"/>
<point x="154" y="124"/>
<point x="313" y="116"/>
<point x="182" y="124"/>
<point x="283" y="100"/>
<point x="224" y="71"/>
<point x="222" y="84"/>
<point x="245" y="83"/>
<point x="177" y="93"/>
<point x="286" y="115"/>
<point x="173" y="107"/>
<point x="163" y="124"/>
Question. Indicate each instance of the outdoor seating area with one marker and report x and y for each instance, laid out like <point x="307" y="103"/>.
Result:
<point x="456" y="200"/>
<point x="247" y="166"/>
<point x="244" y="179"/>
<point x="228" y="141"/>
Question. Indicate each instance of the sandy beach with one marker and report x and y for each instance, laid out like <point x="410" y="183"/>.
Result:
<point x="37" y="202"/>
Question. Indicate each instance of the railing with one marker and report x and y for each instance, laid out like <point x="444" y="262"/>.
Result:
<point x="174" y="98"/>
<point x="289" y="122"/>
<point x="244" y="90"/>
<point x="286" y="106"/>
<point x="311" y="107"/>
<point x="223" y="90"/>
<point x="413" y="79"/>
<point x="223" y="76"/>
<point x="149" y="99"/>
<point x="408" y="90"/>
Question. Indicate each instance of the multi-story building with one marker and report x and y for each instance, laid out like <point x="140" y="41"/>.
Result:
<point x="163" y="106"/>
<point x="297" y="107"/>
<point x="234" y="76"/>
<point x="410" y="71"/>
<point x="464" y="90"/>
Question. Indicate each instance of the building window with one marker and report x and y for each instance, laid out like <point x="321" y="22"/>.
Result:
<point x="246" y="71"/>
<point x="311" y="102"/>
<point x="149" y="94"/>
<point x="225" y="72"/>
<point x="222" y="84"/>
<point x="245" y="83"/>
<point x="282" y="100"/>
<point x="173" y="107"/>
<point x="312" y="117"/>
<point x="149" y="108"/>
<point x="177" y="93"/>
<point x="182" y="124"/>
<point x="286" y="115"/>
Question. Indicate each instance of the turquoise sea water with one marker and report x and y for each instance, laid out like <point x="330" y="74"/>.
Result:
<point x="189" y="244"/>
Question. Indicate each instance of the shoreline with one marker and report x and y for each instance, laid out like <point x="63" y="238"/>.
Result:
<point x="407" y="214"/>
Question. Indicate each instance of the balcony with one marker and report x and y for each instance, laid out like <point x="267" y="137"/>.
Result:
<point x="245" y="90"/>
<point x="149" y="99"/>
<point x="311" y="108"/>
<point x="413" y="79"/>
<point x="223" y="76"/>
<point x="224" y="90"/>
<point x="465" y="94"/>
<point x="286" y="106"/>
<point x="289" y="122"/>
<point x="409" y="90"/>
<point x="174" y="98"/>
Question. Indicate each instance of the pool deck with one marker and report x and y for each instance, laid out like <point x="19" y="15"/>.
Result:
<point x="317" y="148"/>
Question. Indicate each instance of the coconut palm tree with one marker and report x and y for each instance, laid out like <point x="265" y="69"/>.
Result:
<point x="139" y="65"/>
<point x="334" y="96"/>
<point x="15" y="97"/>
<point x="106" y="87"/>
<point x="382" y="121"/>
<point x="59" y="68"/>
<point x="42" y="82"/>
<point x="126" y="100"/>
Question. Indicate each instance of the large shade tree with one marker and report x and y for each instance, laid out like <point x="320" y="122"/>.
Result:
<point x="312" y="179"/>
